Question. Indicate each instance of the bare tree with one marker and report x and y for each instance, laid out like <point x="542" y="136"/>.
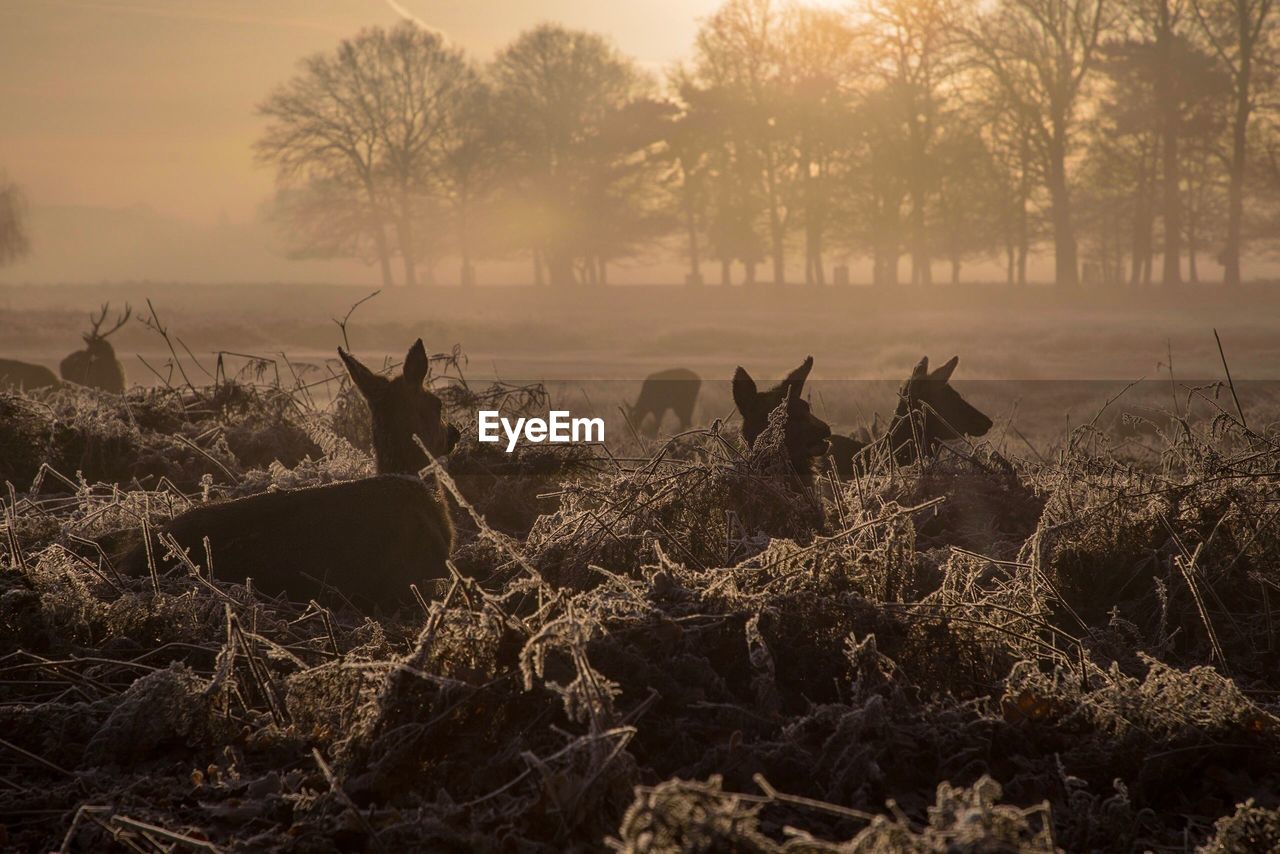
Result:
<point x="559" y="92"/>
<point x="1161" y="22"/>
<point x="1242" y="33"/>
<point x="1040" y="53"/>
<point x="916" y="52"/>
<point x="738" y="54"/>
<point x="13" y="222"/>
<point x="820" y="61"/>
<point x="372" y="116"/>
<point x="471" y="171"/>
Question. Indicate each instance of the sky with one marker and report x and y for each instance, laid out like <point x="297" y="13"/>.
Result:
<point x="150" y="103"/>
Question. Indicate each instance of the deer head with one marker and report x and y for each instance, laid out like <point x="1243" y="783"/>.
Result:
<point x="939" y="412"/>
<point x="96" y="339"/>
<point x="806" y="433"/>
<point x="401" y="408"/>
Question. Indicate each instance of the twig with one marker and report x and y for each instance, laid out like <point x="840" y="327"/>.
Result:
<point x="1230" y="383"/>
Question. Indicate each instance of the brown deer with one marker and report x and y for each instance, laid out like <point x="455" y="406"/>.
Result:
<point x="806" y="433"/>
<point x="24" y="375"/>
<point x="929" y="413"/>
<point x="96" y="366"/>
<point x="362" y="542"/>
<point x="675" y="390"/>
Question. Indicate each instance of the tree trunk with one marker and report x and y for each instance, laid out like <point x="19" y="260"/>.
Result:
<point x="726" y="273"/>
<point x="955" y="270"/>
<point x="467" y="272"/>
<point x="404" y="232"/>
<point x="1235" y="186"/>
<point x="776" y="230"/>
<point x="814" y="222"/>
<point x="921" y="272"/>
<point x="539" y="273"/>
<point x="379" y="237"/>
<point x="1066" y="268"/>
<point x="384" y="255"/>
<point x="1024" y="242"/>
<point x="1170" y="117"/>
<point x="691" y="225"/>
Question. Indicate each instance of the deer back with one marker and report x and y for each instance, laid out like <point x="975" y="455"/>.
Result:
<point x="24" y="375"/>
<point x="676" y="389"/>
<point x="359" y="543"/>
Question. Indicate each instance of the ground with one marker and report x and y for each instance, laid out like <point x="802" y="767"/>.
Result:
<point x="1058" y="636"/>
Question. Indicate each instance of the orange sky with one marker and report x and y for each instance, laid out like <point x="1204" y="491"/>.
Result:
<point x="116" y="103"/>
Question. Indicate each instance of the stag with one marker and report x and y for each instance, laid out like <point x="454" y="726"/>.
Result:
<point x="806" y="436"/>
<point x="359" y="543"/>
<point x="675" y="390"/>
<point x="930" y="412"/>
<point x="96" y="366"/>
<point x="25" y="376"/>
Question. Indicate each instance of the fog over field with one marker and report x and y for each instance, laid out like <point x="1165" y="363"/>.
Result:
<point x="936" y="348"/>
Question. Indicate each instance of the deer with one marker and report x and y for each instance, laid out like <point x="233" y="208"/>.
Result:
<point x="361" y="542"/>
<point x="25" y="376"/>
<point x="96" y="365"/>
<point x="806" y="436"/>
<point x="675" y="390"/>
<point x="929" y="413"/>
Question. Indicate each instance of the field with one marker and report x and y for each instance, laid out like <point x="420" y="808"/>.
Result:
<point x="1060" y="636"/>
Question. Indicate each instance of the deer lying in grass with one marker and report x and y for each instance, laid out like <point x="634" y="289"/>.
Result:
<point x="96" y="366"/>
<point x="24" y="375"/>
<point x="806" y="433"/>
<point x="363" y="541"/>
<point x="675" y="390"/>
<point x="929" y="413"/>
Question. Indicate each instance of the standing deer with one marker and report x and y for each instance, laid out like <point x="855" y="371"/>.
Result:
<point x="676" y="390"/>
<point x="929" y="413"/>
<point x="24" y="375"/>
<point x="806" y="433"/>
<point x="364" y="541"/>
<point x="96" y="365"/>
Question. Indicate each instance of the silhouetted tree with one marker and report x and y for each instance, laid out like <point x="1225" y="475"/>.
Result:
<point x="819" y="62"/>
<point x="915" y="48"/>
<point x="375" y="115"/>
<point x="1016" y="175"/>
<point x="13" y="222"/>
<point x="1040" y="54"/>
<point x="471" y="170"/>
<point x="738" y="54"/>
<point x="1242" y="34"/>
<point x="878" y="161"/>
<point x="557" y="91"/>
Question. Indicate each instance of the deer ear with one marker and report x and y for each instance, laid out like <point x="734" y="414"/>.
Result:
<point x="921" y="370"/>
<point x="795" y="380"/>
<point x="944" y="373"/>
<point x="370" y="384"/>
<point x="415" y="364"/>
<point x="744" y="390"/>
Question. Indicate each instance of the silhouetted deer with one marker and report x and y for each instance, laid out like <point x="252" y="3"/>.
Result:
<point x="806" y="433"/>
<point x="96" y="365"/>
<point x="363" y="541"/>
<point x="24" y="375"/>
<point x="676" y="390"/>
<point x="929" y="412"/>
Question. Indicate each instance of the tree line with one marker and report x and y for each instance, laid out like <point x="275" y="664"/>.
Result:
<point x="1131" y="139"/>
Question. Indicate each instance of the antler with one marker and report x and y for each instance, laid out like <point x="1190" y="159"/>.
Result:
<point x="120" y="321"/>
